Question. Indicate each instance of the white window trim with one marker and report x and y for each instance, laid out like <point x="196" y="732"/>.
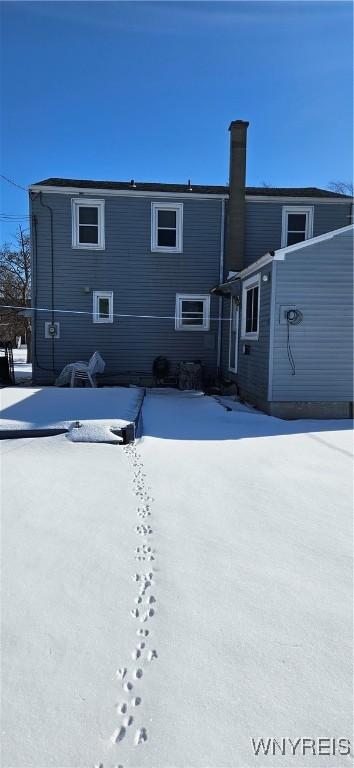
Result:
<point x="252" y="282"/>
<point x="97" y="295"/>
<point x="205" y="298"/>
<point x="77" y="203"/>
<point x="308" y="210"/>
<point x="178" y="208"/>
<point x="237" y="321"/>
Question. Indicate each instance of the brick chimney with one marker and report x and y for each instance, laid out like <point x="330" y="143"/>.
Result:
<point x="236" y="208"/>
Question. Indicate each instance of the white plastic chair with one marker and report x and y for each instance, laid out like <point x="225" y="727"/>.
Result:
<point x="87" y="371"/>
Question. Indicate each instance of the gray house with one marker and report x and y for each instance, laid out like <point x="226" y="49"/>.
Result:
<point x="219" y="274"/>
<point x="289" y="341"/>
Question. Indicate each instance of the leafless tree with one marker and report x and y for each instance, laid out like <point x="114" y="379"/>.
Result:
<point x="342" y="187"/>
<point x="15" y="289"/>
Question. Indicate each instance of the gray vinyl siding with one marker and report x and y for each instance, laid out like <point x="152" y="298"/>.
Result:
<point x="317" y="280"/>
<point x="143" y="283"/>
<point x="225" y="333"/>
<point x="252" y="374"/>
<point x="264" y="224"/>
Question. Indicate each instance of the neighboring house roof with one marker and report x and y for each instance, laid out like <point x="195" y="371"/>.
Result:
<point x="205" y="189"/>
<point x="279" y="255"/>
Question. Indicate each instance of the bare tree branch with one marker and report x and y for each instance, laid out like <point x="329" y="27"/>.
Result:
<point x="342" y="187"/>
<point x="15" y="289"/>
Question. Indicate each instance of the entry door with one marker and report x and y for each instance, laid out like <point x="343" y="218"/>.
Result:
<point x="233" y="336"/>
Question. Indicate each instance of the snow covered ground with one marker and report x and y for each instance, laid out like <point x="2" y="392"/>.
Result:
<point x="23" y="370"/>
<point x="165" y="603"/>
<point x="56" y="407"/>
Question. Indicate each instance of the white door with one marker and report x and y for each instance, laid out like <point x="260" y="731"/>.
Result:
<point x="233" y="336"/>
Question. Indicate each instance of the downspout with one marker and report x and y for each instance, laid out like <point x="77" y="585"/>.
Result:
<point x="44" y="205"/>
<point x="221" y="277"/>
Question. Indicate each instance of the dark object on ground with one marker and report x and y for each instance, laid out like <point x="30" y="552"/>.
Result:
<point x="7" y="375"/>
<point x="160" y="369"/>
<point x="190" y="375"/>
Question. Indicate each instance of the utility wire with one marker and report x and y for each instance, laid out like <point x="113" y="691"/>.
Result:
<point x="13" y="182"/>
<point x="91" y="314"/>
<point x="14" y="215"/>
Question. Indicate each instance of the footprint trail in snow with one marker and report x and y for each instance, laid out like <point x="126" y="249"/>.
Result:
<point x="133" y="676"/>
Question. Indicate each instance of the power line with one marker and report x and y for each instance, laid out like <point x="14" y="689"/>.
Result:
<point x="10" y="181"/>
<point x="91" y="314"/>
<point x="14" y="219"/>
<point x="15" y="215"/>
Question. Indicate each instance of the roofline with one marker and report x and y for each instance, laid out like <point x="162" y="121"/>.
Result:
<point x="123" y="192"/>
<point x="190" y="194"/>
<point x="302" y="199"/>
<point x="280" y="254"/>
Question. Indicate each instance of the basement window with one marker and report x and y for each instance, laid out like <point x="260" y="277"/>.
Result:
<point x="250" y="307"/>
<point x="192" y="312"/>
<point x="297" y="224"/>
<point x="102" y="307"/>
<point x="167" y="227"/>
<point x="88" y="224"/>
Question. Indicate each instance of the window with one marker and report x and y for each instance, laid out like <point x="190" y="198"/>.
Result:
<point x="297" y="224"/>
<point x="88" y="224"/>
<point x="250" y="307"/>
<point x="102" y="307"/>
<point x="192" y="312"/>
<point x="167" y="227"/>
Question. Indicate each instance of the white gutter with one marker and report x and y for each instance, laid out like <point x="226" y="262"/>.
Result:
<point x="295" y="199"/>
<point x="221" y="277"/>
<point x="103" y="191"/>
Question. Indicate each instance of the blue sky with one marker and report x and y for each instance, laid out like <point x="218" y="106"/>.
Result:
<point x="146" y="90"/>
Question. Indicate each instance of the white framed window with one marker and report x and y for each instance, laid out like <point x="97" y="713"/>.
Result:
<point x="167" y="227"/>
<point x="88" y="224"/>
<point x="297" y="224"/>
<point x="103" y="307"/>
<point x="250" y="307"/>
<point x="192" y="312"/>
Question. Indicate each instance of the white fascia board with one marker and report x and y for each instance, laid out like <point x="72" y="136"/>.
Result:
<point x="123" y="192"/>
<point x="190" y="195"/>
<point x="297" y="200"/>
<point x="266" y="259"/>
<point x="280" y="254"/>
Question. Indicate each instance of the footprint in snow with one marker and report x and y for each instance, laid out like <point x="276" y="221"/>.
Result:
<point x="138" y="673"/>
<point x="128" y="686"/>
<point x="122" y="708"/>
<point x="136" y="654"/>
<point x="136" y="701"/>
<point x="128" y="721"/>
<point x="121" y="672"/>
<point x="140" y="736"/>
<point x="118" y="735"/>
<point x="142" y="632"/>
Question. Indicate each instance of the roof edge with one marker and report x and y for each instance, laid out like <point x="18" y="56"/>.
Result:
<point x="279" y="255"/>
